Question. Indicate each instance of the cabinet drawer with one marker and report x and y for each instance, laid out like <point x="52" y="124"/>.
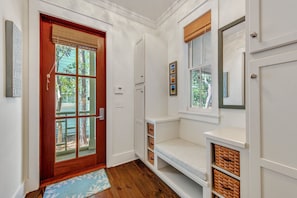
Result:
<point x="150" y="142"/>
<point x="151" y="157"/>
<point x="150" y="129"/>
<point x="225" y="185"/>
<point x="227" y="159"/>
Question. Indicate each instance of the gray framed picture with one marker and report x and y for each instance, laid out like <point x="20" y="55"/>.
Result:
<point x="13" y="45"/>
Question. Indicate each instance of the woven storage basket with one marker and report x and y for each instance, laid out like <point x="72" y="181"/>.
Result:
<point x="226" y="185"/>
<point x="151" y="158"/>
<point x="227" y="159"/>
<point x="150" y="143"/>
<point x="150" y="129"/>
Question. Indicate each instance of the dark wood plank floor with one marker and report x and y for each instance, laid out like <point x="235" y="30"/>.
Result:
<point x="133" y="180"/>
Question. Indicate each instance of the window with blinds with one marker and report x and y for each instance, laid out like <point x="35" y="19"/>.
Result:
<point x="197" y="35"/>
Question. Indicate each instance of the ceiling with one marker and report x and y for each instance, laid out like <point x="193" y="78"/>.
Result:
<point x="148" y="12"/>
<point x="151" y="9"/>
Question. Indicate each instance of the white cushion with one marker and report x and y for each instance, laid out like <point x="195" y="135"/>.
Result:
<point x="190" y="156"/>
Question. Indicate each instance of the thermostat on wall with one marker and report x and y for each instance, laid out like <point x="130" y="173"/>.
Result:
<point x="118" y="89"/>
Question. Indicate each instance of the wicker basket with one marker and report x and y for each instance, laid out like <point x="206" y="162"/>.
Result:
<point x="150" y="129"/>
<point x="150" y="143"/>
<point x="151" y="157"/>
<point x="225" y="185"/>
<point x="227" y="158"/>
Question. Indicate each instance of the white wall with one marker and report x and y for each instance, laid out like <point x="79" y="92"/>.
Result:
<point x="228" y="11"/>
<point x="11" y="131"/>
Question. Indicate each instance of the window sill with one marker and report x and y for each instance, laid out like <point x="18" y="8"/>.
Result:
<point x="203" y="117"/>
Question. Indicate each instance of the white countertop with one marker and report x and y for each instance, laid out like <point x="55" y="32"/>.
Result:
<point x="162" y="119"/>
<point x="229" y="135"/>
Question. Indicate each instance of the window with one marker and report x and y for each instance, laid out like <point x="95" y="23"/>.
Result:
<point x="197" y="36"/>
<point x="199" y="70"/>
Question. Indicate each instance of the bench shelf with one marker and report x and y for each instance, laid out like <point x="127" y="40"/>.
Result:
<point x="182" y="185"/>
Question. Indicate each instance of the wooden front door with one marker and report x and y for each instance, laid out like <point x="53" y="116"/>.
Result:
<point x="73" y="98"/>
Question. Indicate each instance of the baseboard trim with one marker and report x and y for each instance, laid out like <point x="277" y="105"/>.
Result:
<point x="20" y="193"/>
<point x="121" y="158"/>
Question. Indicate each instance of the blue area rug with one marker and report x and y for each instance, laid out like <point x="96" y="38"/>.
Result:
<point x="79" y="187"/>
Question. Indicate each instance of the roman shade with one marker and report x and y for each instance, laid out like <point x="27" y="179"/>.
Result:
<point x="198" y="27"/>
<point x="63" y="35"/>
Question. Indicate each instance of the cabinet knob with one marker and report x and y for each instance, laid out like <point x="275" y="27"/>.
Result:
<point x="141" y="76"/>
<point x="254" y="34"/>
<point x="253" y="76"/>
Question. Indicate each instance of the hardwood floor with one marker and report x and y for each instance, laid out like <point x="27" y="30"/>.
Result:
<point x="133" y="180"/>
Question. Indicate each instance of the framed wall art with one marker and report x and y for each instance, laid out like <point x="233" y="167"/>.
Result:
<point x="13" y="45"/>
<point x="173" y="78"/>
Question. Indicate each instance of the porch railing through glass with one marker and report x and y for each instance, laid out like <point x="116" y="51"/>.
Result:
<point x="66" y="129"/>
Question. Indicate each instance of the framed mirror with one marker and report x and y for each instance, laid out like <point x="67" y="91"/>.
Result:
<point x="231" y="61"/>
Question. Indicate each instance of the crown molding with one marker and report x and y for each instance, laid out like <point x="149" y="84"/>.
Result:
<point x="170" y="11"/>
<point x="110" y="6"/>
<point x="113" y="7"/>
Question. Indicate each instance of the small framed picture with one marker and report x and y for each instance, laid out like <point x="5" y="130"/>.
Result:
<point x="172" y="67"/>
<point x="173" y="78"/>
<point x="173" y="91"/>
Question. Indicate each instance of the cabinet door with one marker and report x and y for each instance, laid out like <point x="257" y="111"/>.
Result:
<point x="272" y="23"/>
<point x="139" y="130"/>
<point x="273" y="126"/>
<point x="139" y="62"/>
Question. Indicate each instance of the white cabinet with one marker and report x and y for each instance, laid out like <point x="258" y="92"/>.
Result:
<point x="272" y="23"/>
<point x="272" y="96"/>
<point x="151" y="90"/>
<point x="139" y="61"/>
<point x="139" y="136"/>
<point x="273" y="126"/>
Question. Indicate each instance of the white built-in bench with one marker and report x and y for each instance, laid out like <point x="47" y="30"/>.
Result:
<point x="178" y="162"/>
<point x="185" y="156"/>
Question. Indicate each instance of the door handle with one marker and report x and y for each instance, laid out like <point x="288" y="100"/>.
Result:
<point x="101" y="114"/>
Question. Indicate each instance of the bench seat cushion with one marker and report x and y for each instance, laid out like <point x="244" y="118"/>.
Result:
<point x="190" y="156"/>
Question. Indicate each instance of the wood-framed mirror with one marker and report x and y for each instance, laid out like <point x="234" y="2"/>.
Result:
<point x="231" y="65"/>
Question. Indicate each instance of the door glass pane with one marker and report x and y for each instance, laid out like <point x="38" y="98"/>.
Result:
<point x="65" y="59"/>
<point x="65" y="139"/>
<point x="86" y="62"/>
<point x="65" y="96"/>
<point x="87" y="96"/>
<point x="87" y="136"/>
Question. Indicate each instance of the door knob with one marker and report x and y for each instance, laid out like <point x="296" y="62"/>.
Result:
<point x="253" y="76"/>
<point x="254" y="34"/>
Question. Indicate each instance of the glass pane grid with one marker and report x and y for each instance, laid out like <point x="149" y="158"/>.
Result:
<point x="75" y="88"/>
